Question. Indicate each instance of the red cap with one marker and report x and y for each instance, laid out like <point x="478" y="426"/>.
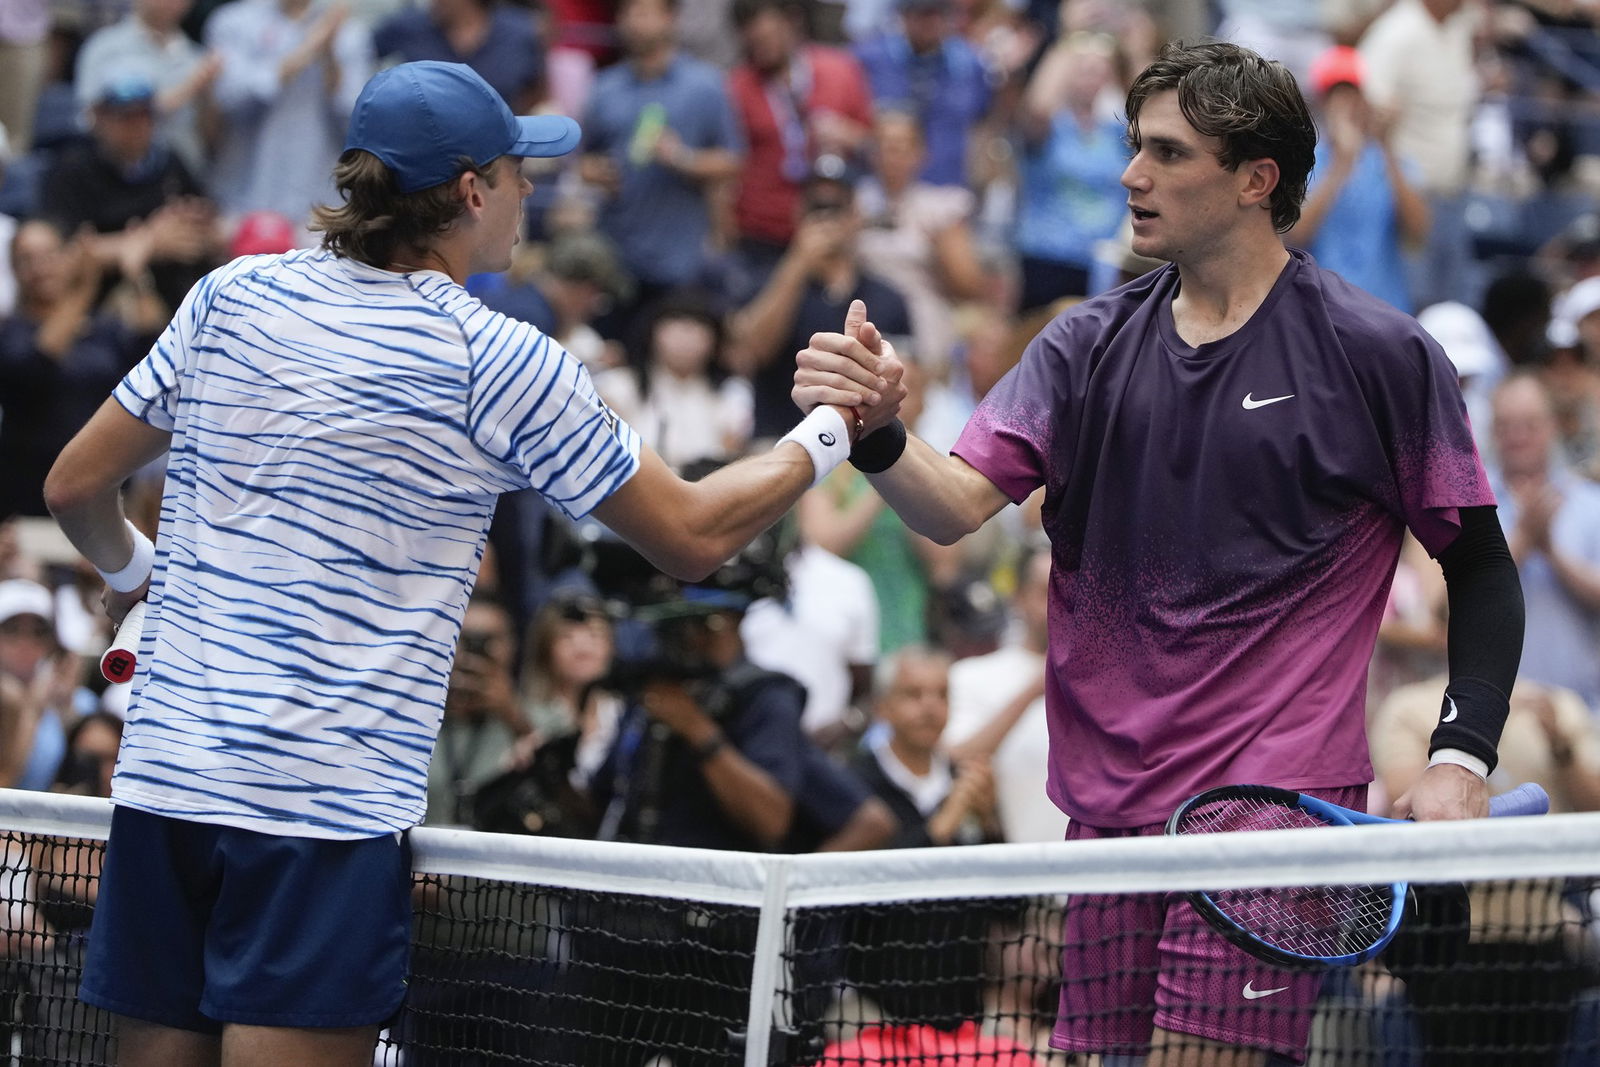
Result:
<point x="262" y="232"/>
<point x="1340" y="65"/>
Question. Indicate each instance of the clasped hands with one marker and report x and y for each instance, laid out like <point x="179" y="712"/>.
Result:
<point x="856" y="369"/>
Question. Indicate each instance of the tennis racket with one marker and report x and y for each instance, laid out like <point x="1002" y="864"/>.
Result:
<point x="1306" y="927"/>
<point x="122" y="658"/>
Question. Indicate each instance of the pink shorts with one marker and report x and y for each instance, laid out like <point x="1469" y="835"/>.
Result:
<point x="1133" y="962"/>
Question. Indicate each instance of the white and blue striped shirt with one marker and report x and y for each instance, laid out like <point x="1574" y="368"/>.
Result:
<point x="340" y="434"/>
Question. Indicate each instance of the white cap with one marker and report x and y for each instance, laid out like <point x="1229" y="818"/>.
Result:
<point x="1463" y="335"/>
<point x="1581" y="301"/>
<point x="19" y="596"/>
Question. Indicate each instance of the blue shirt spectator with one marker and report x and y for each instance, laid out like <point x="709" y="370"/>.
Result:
<point x="501" y="43"/>
<point x="1362" y="210"/>
<point x="1361" y="239"/>
<point x="1070" y="194"/>
<point x="660" y="128"/>
<point x="930" y="72"/>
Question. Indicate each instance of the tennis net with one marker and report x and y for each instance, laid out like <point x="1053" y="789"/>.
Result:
<point x="542" y="951"/>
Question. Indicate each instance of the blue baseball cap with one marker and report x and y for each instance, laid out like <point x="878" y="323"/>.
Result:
<point x="421" y="118"/>
<point x="127" y="89"/>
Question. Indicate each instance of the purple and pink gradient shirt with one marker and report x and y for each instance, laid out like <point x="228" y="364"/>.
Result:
<point x="1224" y="522"/>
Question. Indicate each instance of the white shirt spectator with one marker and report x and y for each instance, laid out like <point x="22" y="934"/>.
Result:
<point x="281" y="138"/>
<point x="980" y="686"/>
<point x="684" y="419"/>
<point x="1433" y="100"/>
<point x="829" y="625"/>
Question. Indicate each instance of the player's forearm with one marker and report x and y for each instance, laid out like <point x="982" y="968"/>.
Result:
<point x="84" y="488"/>
<point x="688" y="529"/>
<point x="97" y="528"/>
<point x="1485" y="636"/>
<point x="938" y="496"/>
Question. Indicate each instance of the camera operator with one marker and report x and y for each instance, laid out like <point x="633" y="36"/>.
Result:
<point x="481" y="717"/>
<point x="709" y="752"/>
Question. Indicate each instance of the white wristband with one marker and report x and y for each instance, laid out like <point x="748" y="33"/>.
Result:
<point x="826" y="439"/>
<point x="1460" y="759"/>
<point x="138" y="568"/>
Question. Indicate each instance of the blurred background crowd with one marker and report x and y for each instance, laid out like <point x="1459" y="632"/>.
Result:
<point x="748" y="168"/>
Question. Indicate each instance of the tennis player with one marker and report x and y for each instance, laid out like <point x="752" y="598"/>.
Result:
<point x="338" y="423"/>
<point x="1231" y="448"/>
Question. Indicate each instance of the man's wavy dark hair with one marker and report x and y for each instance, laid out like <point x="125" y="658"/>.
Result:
<point x="1252" y="105"/>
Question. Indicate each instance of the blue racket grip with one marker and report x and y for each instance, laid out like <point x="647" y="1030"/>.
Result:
<point x="1526" y="799"/>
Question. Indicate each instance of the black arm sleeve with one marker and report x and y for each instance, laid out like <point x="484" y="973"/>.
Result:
<point x="1485" y="635"/>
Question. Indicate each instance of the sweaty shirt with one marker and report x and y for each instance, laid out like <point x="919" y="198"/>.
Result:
<point x="1224" y="522"/>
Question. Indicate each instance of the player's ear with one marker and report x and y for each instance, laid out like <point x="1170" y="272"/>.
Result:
<point x="1258" y="179"/>
<point x="470" y="188"/>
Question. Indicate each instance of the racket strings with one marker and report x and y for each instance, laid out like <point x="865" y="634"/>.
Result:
<point x="1317" y="921"/>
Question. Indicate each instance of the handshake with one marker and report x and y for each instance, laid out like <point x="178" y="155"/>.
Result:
<point x="855" y="372"/>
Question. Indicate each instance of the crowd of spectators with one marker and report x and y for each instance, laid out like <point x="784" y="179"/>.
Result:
<point x="748" y="169"/>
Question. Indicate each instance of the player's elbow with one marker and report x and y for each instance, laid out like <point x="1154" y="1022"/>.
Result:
<point x="692" y="564"/>
<point x="692" y="556"/>
<point x="67" y="490"/>
<point x="952" y="526"/>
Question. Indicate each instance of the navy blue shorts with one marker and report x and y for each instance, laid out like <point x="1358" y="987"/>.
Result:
<point x="197" y="925"/>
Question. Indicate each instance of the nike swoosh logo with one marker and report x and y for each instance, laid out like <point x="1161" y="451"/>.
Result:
<point x="1452" y="716"/>
<point x="1250" y="403"/>
<point x="1257" y="994"/>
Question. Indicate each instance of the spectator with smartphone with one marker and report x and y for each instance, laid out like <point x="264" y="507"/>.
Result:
<point x="816" y="278"/>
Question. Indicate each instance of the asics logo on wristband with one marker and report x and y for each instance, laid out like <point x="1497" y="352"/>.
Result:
<point x="827" y="439"/>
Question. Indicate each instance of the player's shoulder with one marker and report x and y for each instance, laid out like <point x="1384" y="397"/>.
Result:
<point x="243" y="269"/>
<point x="1368" y="330"/>
<point x="489" y="335"/>
<point x="1089" y="324"/>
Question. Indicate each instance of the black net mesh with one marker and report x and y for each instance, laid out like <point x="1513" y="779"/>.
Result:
<point x="509" y="973"/>
<point x="1497" y="973"/>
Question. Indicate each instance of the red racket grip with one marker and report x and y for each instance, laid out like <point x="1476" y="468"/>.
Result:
<point x="122" y="658"/>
